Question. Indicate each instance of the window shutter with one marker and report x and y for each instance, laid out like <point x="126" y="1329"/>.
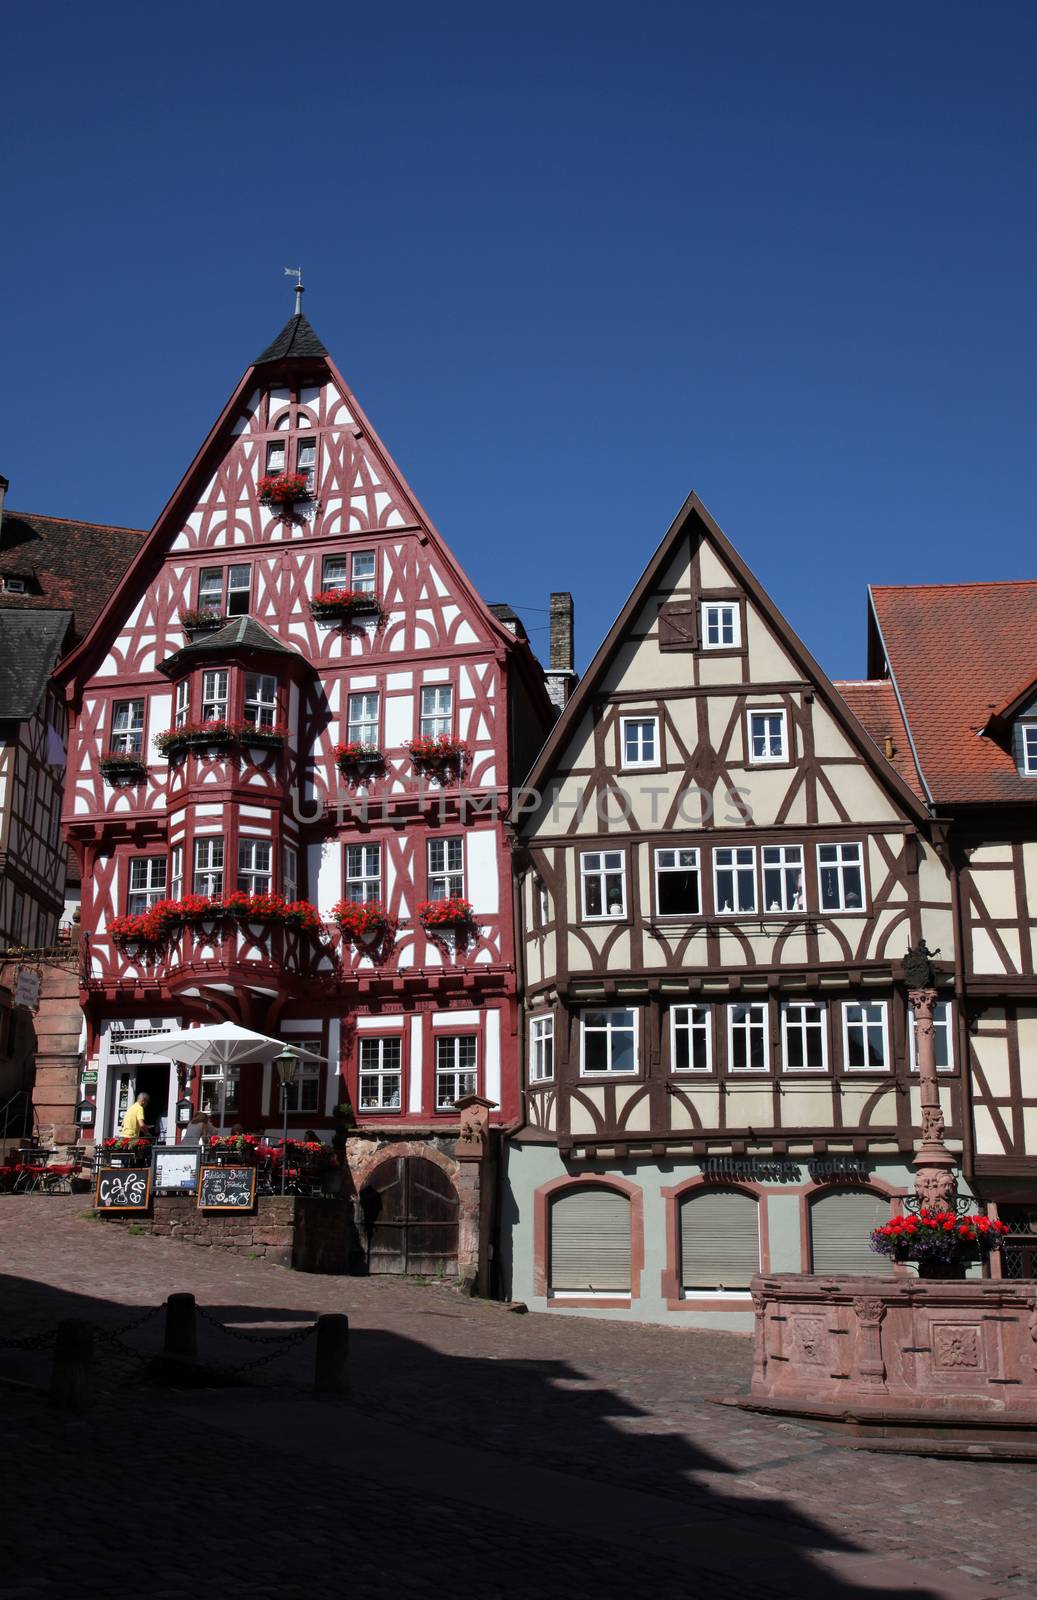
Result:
<point x="720" y="1240"/>
<point x="590" y="1241"/>
<point x="678" y="627"/>
<point x="840" y="1232"/>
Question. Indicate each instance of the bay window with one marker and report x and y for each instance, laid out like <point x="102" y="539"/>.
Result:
<point x="260" y="699"/>
<point x="208" y="865"/>
<point x="214" y="696"/>
<point x="255" y="874"/>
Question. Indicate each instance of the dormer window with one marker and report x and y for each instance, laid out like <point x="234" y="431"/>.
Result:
<point x="15" y="585"/>
<point x="1028" y="748"/>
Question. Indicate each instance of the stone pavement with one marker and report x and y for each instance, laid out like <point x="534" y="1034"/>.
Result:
<point x="501" y="1454"/>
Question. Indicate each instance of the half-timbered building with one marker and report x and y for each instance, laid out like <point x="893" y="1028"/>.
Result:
<point x="261" y="711"/>
<point x="721" y="872"/>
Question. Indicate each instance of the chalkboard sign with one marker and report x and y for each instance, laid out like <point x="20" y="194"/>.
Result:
<point x="226" y="1188"/>
<point x="175" y="1168"/>
<point x="123" y="1189"/>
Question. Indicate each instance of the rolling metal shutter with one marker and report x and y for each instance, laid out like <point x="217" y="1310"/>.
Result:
<point x="840" y="1230"/>
<point x="590" y="1241"/>
<point x="720" y="1240"/>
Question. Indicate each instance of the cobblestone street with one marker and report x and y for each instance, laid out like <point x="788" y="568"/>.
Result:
<point x="494" y="1453"/>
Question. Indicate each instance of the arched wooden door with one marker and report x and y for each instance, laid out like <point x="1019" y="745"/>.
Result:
<point x="409" y="1212"/>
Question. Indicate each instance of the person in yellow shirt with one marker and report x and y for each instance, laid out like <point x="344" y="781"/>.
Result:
<point x="133" y="1124"/>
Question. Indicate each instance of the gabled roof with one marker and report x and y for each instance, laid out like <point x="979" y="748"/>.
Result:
<point x="874" y="703"/>
<point x="71" y="566"/>
<point x="958" y="655"/>
<point x="296" y="341"/>
<point x="693" y="513"/>
<point x="238" y="635"/>
<point x="30" y="643"/>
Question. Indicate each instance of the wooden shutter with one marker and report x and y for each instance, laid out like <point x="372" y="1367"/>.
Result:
<point x="840" y="1232"/>
<point x="678" y="626"/>
<point x="590" y="1241"/>
<point x="720" y="1240"/>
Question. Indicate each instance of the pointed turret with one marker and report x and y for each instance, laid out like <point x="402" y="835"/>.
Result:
<point x="296" y="341"/>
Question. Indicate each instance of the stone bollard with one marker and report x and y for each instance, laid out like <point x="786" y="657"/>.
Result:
<point x="331" y="1367"/>
<point x="71" y="1380"/>
<point x="181" y="1338"/>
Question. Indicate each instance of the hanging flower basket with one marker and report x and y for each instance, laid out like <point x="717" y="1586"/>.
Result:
<point x="301" y="914"/>
<point x="441" y="756"/>
<point x="135" y="935"/>
<point x="346" y="605"/>
<point x="121" y="768"/>
<point x="437" y="916"/>
<point x="366" y="922"/>
<point x="356" y="760"/>
<point x="941" y="1243"/>
<point x="216" y="735"/>
<point x="284" y="489"/>
<point x="204" y="620"/>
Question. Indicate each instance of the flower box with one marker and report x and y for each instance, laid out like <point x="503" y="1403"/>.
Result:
<point x="366" y="922"/>
<point x="119" y="767"/>
<point x="196" y="736"/>
<point x="135" y="935"/>
<point x="455" y="914"/>
<point x="346" y="605"/>
<point x="250" y="733"/>
<point x="127" y="1152"/>
<point x="355" y="759"/>
<point x="201" y="621"/>
<point x="284" y="489"/>
<point x="241" y="1147"/>
<point x="441" y="756"/>
<point x="940" y="1243"/>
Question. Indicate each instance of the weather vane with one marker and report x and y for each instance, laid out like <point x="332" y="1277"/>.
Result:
<point x="296" y="273"/>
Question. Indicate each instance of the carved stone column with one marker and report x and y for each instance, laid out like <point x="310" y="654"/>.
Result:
<point x="871" y="1369"/>
<point x="935" y="1182"/>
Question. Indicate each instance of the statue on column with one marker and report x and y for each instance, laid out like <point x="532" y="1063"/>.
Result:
<point x="936" y="1185"/>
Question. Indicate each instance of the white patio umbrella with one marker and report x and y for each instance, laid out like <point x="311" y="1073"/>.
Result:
<point x="222" y="1044"/>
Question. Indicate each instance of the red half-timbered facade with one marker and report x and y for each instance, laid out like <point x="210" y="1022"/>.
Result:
<point x="263" y="710"/>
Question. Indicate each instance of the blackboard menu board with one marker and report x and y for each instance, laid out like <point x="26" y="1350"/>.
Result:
<point x="226" y="1188"/>
<point x="175" y="1168"/>
<point x="123" y="1189"/>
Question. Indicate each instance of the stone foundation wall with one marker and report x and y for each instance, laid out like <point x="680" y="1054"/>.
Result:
<point x="309" y="1235"/>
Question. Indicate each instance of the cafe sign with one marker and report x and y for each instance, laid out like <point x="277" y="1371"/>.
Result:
<point x="27" y="989"/>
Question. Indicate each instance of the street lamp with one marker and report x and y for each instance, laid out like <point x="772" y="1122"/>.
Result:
<point x="287" y="1065"/>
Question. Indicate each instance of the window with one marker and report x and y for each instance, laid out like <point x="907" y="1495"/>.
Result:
<point x="865" y="1036"/>
<point x="721" y="625"/>
<point x="239" y="586"/>
<point x="840" y="871"/>
<point x="437" y="711"/>
<point x="289" y="872"/>
<point x="275" y="456"/>
<point x="840" y="1230"/>
<point x="254" y="866"/>
<point x="364" y="872"/>
<point x="176" y="872"/>
<point x="362" y="571"/>
<point x="381" y="1074"/>
<point x="128" y="726"/>
<point x="362" y="726"/>
<point x="182" y="705"/>
<point x="941" y="1037"/>
<point x="214" y="696"/>
<point x="609" y="1041"/>
<point x="445" y="868"/>
<point x="541" y="1049"/>
<point x="260" y="699"/>
<point x="748" y="1047"/>
<point x="804" y="1036"/>
<point x="720" y="1240"/>
<point x="210" y="589"/>
<point x="677" y="883"/>
<point x="782" y="877"/>
<point x="209" y="1099"/>
<point x="147" y="883"/>
<point x="208" y="865"/>
<point x="767" y="736"/>
<point x="304" y="1093"/>
<point x="543" y="903"/>
<point x="603" y="879"/>
<point x="239" y="590"/>
<point x="15" y="585"/>
<point x="734" y="880"/>
<point x="590" y="1242"/>
<point x="1028" y="746"/>
<point x="691" y="1041"/>
<point x="455" y="1069"/>
<point x="639" y="740"/>
<point x="306" y="460"/>
<point x="335" y="572"/>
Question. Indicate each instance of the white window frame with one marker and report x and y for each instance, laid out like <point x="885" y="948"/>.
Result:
<point x="785" y="859"/>
<point x="182" y="703"/>
<point x="176" y="872"/>
<point x="252" y="877"/>
<point x="210" y="589"/>
<point x="340" y="560"/>
<point x="362" y="872"/>
<point x="732" y="622"/>
<point x="445" y="858"/>
<point x="128" y="740"/>
<point x="259" y="708"/>
<point x="543" y="901"/>
<point x="639" y="760"/>
<point x="362" y="714"/>
<point x="151" y="886"/>
<point x="236" y="588"/>
<point x="807" y="1030"/>
<point x="678" y="866"/>
<point x="276" y="448"/>
<point x="289" y="872"/>
<point x="742" y="858"/>
<point x="437" y="711"/>
<point x="307" y="1077"/>
<point x="757" y="1010"/>
<point x="769" y="757"/>
<point x="360" y="580"/>
<point x="695" y="1020"/>
<point x="307" y="470"/>
<point x="209" y="1098"/>
<point x="215" y="694"/>
<point x="943" y="1019"/>
<point x="1028" y="748"/>
<point x="542" y="1048"/>
<point x="456" y="1073"/>
<point x="839" y="866"/>
<point x="600" y="866"/>
<point x="209" y="863"/>
<point x="386" y="1075"/>
<point x="864" y="1025"/>
<point x="609" y="1030"/>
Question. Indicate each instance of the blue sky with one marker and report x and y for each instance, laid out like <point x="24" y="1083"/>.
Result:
<point x="574" y="259"/>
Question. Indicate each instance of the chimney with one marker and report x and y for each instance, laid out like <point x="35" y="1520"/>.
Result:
<point x="561" y="674"/>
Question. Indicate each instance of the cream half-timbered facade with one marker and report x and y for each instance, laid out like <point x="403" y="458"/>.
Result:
<point x="720" y="876"/>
